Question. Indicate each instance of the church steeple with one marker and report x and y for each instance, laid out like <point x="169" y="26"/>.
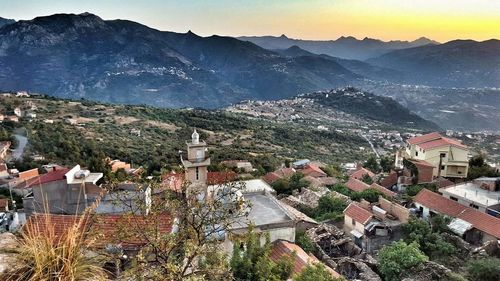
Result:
<point x="196" y="164"/>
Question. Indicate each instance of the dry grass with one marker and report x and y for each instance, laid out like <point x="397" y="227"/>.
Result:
<point x="44" y="255"/>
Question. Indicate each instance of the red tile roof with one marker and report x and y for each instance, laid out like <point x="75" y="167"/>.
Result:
<point x="356" y="185"/>
<point x="422" y="163"/>
<point x="46" y="178"/>
<point x="441" y="142"/>
<point x="390" y="180"/>
<point x="271" y="177"/>
<point x="313" y="170"/>
<point x="357" y="213"/>
<point x="383" y="190"/>
<point x="285" y="172"/>
<point x="127" y="230"/>
<point x="220" y="177"/>
<point x="56" y="225"/>
<point x="358" y="174"/>
<point x="301" y="259"/>
<point x="445" y="206"/>
<point x="424" y="138"/>
<point x="103" y="229"/>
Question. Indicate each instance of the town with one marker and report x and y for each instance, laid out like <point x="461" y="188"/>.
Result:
<point x="421" y="194"/>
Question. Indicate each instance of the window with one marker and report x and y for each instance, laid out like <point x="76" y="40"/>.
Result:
<point x="453" y="198"/>
<point x="474" y="206"/>
<point x="416" y="153"/>
<point x="459" y="172"/>
<point x="442" y="167"/>
<point x="353" y="222"/>
<point x="442" y="155"/>
<point x="197" y="173"/>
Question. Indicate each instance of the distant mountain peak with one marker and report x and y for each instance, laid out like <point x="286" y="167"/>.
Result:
<point x="424" y="41"/>
<point x="283" y="36"/>
<point x="4" y="21"/>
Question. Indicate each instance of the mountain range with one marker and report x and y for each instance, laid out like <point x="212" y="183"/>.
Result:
<point x="125" y="62"/>
<point x="344" y="47"/>
<point x="120" y="61"/>
<point x="4" y="21"/>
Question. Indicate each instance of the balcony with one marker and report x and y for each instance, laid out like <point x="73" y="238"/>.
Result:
<point x="196" y="162"/>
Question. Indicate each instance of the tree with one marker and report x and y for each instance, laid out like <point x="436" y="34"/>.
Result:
<point x="431" y="243"/>
<point x="190" y="252"/>
<point x="372" y="164"/>
<point x="316" y="272"/>
<point x="479" y="168"/>
<point x="366" y="179"/>
<point x="398" y="257"/>
<point x="370" y="194"/>
<point x="304" y="242"/>
<point x="250" y="261"/>
<point x="386" y="164"/>
<point x="487" y="269"/>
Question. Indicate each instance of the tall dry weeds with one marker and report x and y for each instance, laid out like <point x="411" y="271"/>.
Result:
<point x="47" y="255"/>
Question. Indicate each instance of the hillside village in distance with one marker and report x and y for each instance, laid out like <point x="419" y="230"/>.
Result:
<point x="443" y="186"/>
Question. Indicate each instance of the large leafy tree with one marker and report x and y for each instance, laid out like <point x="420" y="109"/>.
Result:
<point x="398" y="257"/>
<point x="485" y="269"/>
<point x="251" y="262"/>
<point x="428" y="237"/>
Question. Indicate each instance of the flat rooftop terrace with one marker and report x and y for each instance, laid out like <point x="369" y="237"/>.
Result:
<point x="473" y="192"/>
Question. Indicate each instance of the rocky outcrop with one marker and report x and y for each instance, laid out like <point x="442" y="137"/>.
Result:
<point x="355" y="269"/>
<point x="429" y="271"/>
<point x="8" y="246"/>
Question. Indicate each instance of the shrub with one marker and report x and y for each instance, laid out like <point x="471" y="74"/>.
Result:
<point x="485" y="269"/>
<point x="398" y="257"/>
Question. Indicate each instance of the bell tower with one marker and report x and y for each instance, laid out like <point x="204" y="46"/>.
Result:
<point x="197" y="162"/>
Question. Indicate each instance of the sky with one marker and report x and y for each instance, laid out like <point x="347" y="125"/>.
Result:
<point x="441" y="20"/>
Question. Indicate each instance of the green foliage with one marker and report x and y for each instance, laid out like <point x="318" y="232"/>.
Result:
<point x="487" y="269"/>
<point x="329" y="208"/>
<point x="5" y="193"/>
<point x="479" y="168"/>
<point x="371" y="195"/>
<point x="430" y="242"/>
<point x="253" y="263"/>
<point x="304" y="242"/>
<point x="398" y="257"/>
<point x="367" y="179"/>
<point x="287" y="186"/>
<point x="315" y="272"/>
<point x="413" y="190"/>
<point x="333" y="171"/>
<point x="372" y="164"/>
<point x="386" y="164"/>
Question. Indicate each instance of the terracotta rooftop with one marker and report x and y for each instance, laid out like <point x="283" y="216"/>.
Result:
<point x="356" y="185"/>
<point x="424" y="138"/>
<point x="271" y="177"/>
<point x="358" y="213"/>
<point x="441" y="142"/>
<point x="421" y="163"/>
<point x="105" y="229"/>
<point x="358" y="174"/>
<point x="383" y="190"/>
<point x="46" y="178"/>
<point x="282" y="248"/>
<point x="445" y="206"/>
<point x="220" y="177"/>
<point x="310" y="169"/>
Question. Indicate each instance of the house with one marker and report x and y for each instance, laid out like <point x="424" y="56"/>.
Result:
<point x="282" y="173"/>
<point x="356" y="185"/>
<point x="300" y="163"/>
<point x="448" y="157"/>
<point x="64" y="191"/>
<point x="313" y="171"/>
<point x="239" y="164"/>
<point x="117" y="164"/>
<point x="360" y="173"/>
<point x="375" y="225"/>
<point x="483" y="227"/>
<point x="135" y="132"/>
<point x="482" y="194"/>
<point x="282" y="248"/>
<point x="4" y="149"/>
